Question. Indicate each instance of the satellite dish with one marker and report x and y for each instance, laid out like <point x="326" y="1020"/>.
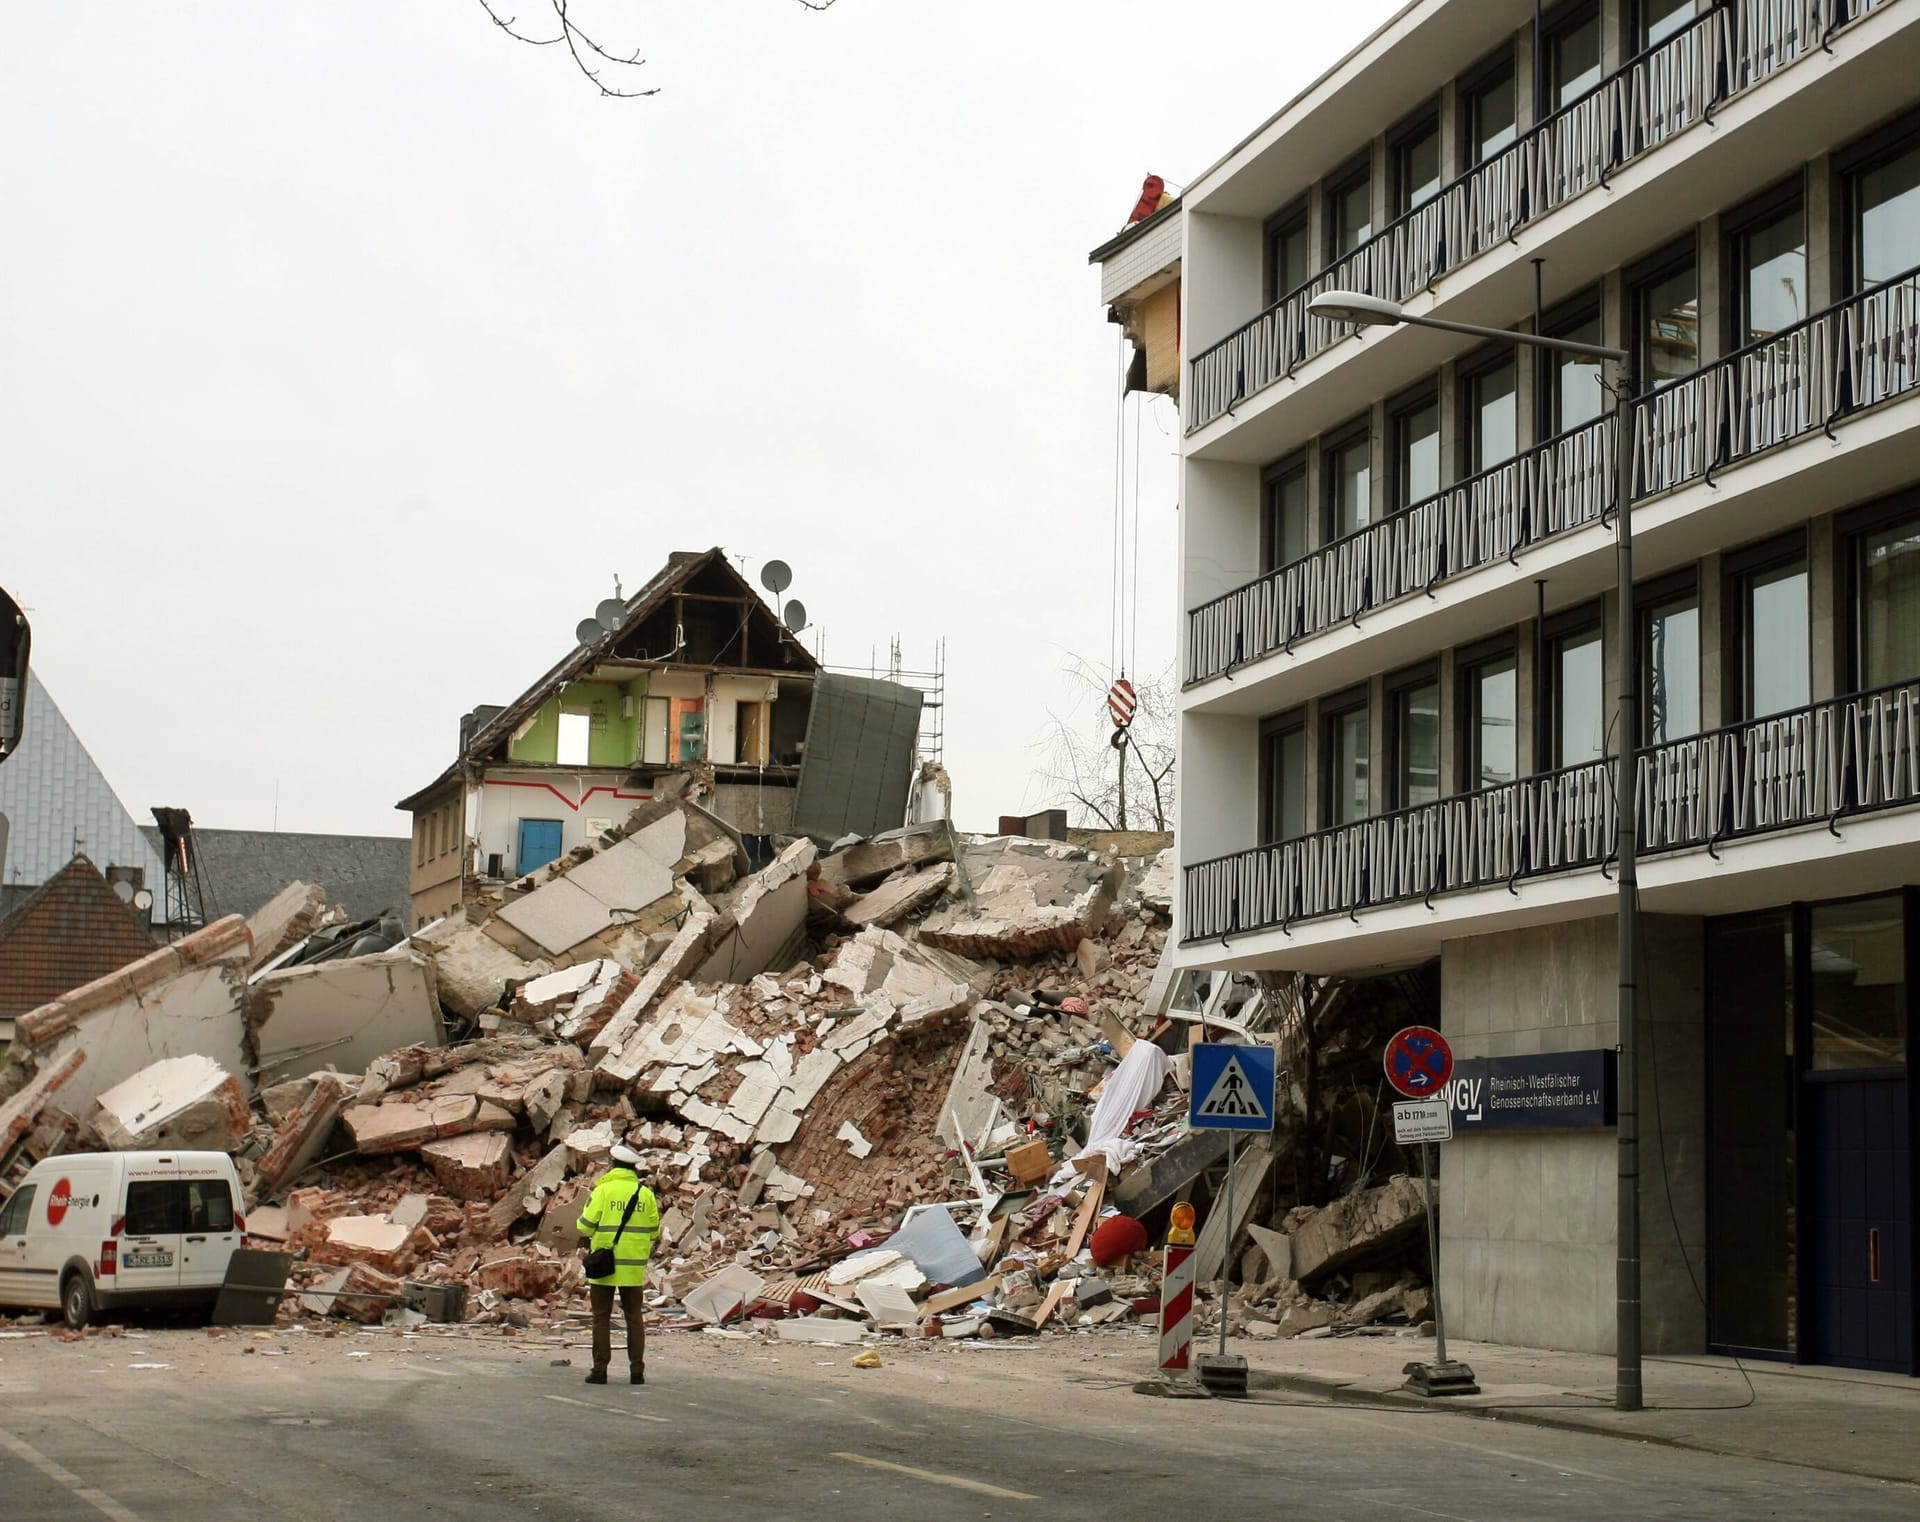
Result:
<point x="610" y="614"/>
<point x="776" y="576"/>
<point x="588" y="631"/>
<point x="796" y="616"/>
<point x="143" y="899"/>
<point x="123" y="890"/>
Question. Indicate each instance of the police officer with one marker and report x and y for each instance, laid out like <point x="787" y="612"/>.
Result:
<point x="620" y="1195"/>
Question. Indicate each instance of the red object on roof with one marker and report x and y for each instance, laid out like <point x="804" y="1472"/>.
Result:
<point x="1149" y="202"/>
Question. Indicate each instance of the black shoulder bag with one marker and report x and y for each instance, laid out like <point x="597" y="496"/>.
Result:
<point x="600" y="1262"/>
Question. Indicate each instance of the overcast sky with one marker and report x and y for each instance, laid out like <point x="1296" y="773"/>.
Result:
<point x="351" y="350"/>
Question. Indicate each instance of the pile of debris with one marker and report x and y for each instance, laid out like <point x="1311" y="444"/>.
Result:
<point x="912" y="1082"/>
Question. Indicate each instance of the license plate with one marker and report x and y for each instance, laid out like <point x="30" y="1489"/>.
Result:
<point x="147" y="1260"/>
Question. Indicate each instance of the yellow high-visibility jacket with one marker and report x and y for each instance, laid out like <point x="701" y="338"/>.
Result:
<point x="600" y="1219"/>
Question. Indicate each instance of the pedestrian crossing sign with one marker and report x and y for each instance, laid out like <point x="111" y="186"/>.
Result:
<point x="1232" y="1088"/>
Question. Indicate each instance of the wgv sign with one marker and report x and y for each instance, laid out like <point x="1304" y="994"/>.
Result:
<point x="1552" y="1091"/>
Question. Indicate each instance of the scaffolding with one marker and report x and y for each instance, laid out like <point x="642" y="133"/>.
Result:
<point x="930" y="745"/>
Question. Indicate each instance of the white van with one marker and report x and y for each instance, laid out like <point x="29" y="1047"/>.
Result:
<point x="97" y="1231"/>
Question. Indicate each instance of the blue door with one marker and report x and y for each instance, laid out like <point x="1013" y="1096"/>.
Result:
<point x="539" y="844"/>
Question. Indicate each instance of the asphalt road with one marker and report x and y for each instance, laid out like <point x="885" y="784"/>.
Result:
<point x="441" y="1429"/>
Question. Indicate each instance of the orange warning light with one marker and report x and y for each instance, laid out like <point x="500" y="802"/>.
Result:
<point x="1180" y="1226"/>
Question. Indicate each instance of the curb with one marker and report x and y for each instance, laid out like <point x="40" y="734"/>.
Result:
<point x="1341" y="1394"/>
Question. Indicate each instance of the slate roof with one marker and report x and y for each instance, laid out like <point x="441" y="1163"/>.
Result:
<point x="51" y="791"/>
<point x="242" y="869"/>
<point x="71" y="930"/>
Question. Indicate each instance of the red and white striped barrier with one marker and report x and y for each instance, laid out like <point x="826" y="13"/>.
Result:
<point x="1176" y="1308"/>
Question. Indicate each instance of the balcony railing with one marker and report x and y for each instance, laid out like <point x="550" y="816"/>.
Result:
<point x="1647" y="101"/>
<point x="1814" y="765"/>
<point x="1803" y="379"/>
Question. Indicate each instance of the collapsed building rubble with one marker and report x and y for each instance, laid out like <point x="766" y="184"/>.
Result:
<point x="908" y="1084"/>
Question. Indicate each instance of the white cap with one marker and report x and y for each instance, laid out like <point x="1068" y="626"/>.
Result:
<point x="622" y="1153"/>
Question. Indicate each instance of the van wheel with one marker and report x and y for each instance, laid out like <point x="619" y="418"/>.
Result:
<point x="76" y="1301"/>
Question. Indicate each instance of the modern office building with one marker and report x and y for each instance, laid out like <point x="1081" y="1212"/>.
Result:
<point x="1397" y="576"/>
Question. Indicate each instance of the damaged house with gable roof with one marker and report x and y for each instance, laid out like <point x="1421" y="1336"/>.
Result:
<point x="696" y="689"/>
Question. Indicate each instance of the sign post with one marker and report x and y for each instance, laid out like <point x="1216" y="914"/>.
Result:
<point x="1233" y="1091"/>
<point x="1419" y="1063"/>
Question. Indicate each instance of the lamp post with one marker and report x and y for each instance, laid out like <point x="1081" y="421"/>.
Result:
<point x="1372" y="311"/>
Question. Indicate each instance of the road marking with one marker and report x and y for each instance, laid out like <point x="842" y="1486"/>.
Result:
<point x="978" y="1487"/>
<point x="104" y="1504"/>
<point x="594" y="1405"/>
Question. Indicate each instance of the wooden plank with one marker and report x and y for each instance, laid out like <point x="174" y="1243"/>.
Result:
<point x="1084" y="1221"/>
<point x="965" y="1294"/>
<point x="1059" y="1291"/>
<point x="1250" y="1172"/>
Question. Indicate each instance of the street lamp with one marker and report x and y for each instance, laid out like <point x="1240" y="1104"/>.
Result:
<point x="1363" y="310"/>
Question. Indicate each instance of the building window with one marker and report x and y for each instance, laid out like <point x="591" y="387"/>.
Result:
<point x="1413" y="427"/>
<point x="1349" y="212"/>
<point x="1413" y="738"/>
<point x="1573" y="393"/>
<point x="1415" y="156"/>
<point x="1571" y="43"/>
<point x="1489" y="688"/>
<point x="1289" y="252"/>
<point x="420" y="840"/>
<point x="1657" y="20"/>
<point x="1884" y="591"/>
<point x="1283" y="771"/>
<point x="1669" y="659"/>
<point x="1859" y="981"/>
<point x="1346" y="736"/>
<point x="1773" y="668"/>
<point x="1487" y="111"/>
<point x="1283" y="523"/>
<point x="576" y="730"/>
<point x="1666" y="322"/>
<point x="1490" y="417"/>
<point x="1346" y="468"/>
<point x="1883" y="191"/>
<point x="1767" y="260"/>
<point x="1576" y="690"/>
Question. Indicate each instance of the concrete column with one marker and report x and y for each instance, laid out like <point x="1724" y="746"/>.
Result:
<point x="1377" y="792"/>
<point x="1826" y="235"/>
<point x="1377" y="500"/>
<point x="1315" y="811"/>
<point x="1453" y="465"/>
<point x="1523" y="112"/>
<point x="1219" y="801"/>
<point x="1528" y="723"/>
<point x="1826" y="624"/>
<point x="1220" y="545"/>
<point x="1615" y="48"/>
<point x="1449" y="726"/>
<point x="1316" y="496"/>
<point x="1451" y="166"/>
<point x="1380" y="182"/>
<point x="1225" y="277"/>
<point x="1716" y="314"/>
<point x="1715" y="707"/>
<point x="1610" y="626"/>
<point x="1316" y="222"/>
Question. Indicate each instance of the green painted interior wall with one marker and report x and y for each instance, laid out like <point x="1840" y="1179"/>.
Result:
<point x="612" y="740"/>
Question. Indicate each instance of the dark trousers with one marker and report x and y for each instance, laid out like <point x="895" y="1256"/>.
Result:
<point x="633" y="1308"/>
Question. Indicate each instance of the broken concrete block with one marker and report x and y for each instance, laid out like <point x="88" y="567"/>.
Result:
<point x="521" y="1276"/>
<point x="666" y="975"/>
<point x="285" y="920"/>
<point x="857" y="1144"/>
<point x="1093" y="959"/>
<point x="189" y="1102"/>
<point x="769" y="918"/>
<point x="302" y="1138"/>
<point x="724" y="1296"/>
<point x="589" y="1146"/>
<point x="1366" y="1311"/>
<point x="403" y="1125"/>
<point x="558" y="916"/>
<point x="1263" y="1331"/>
<point x="887" y="1304"/>
<point x="366" y="1294"/>
<point x="472" y="970"/>
<point x="1029" y="898"/>
<point x="528" y="1194"/>
<point x="473" y="1167"/>
<point x="899" y="896"/>
<point x="818" y="1329"/>
<point x="628" y="876"/>
<point x="867" y="862"/>
<point x="344" y="1014"/>
<point x="280" y="1100"/>
<point x="268" y="1223"/>
<point x="369" y="1239"/>
<point x="1306" y="1316"/>
<point x="878" y="961"/>
<point x="1365" y="1224"/>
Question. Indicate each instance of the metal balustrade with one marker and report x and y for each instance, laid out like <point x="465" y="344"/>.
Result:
<point x="1804" y="379"/>
<point x="1648" y="101"/>
<point x="1815" y="765"/>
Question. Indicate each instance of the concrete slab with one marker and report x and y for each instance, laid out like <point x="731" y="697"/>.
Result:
<point x="625" y="877"/>
<point x="302" y="1137"/>
<point x="189" y="1102"/>
<point x="344" y="1014"/>
<point x="899" y="896"/>
<point x="558" y="916"/>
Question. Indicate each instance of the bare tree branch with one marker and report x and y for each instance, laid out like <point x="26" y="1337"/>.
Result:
<point x="1084" y="768"/>
<point x="582" y="47"/>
